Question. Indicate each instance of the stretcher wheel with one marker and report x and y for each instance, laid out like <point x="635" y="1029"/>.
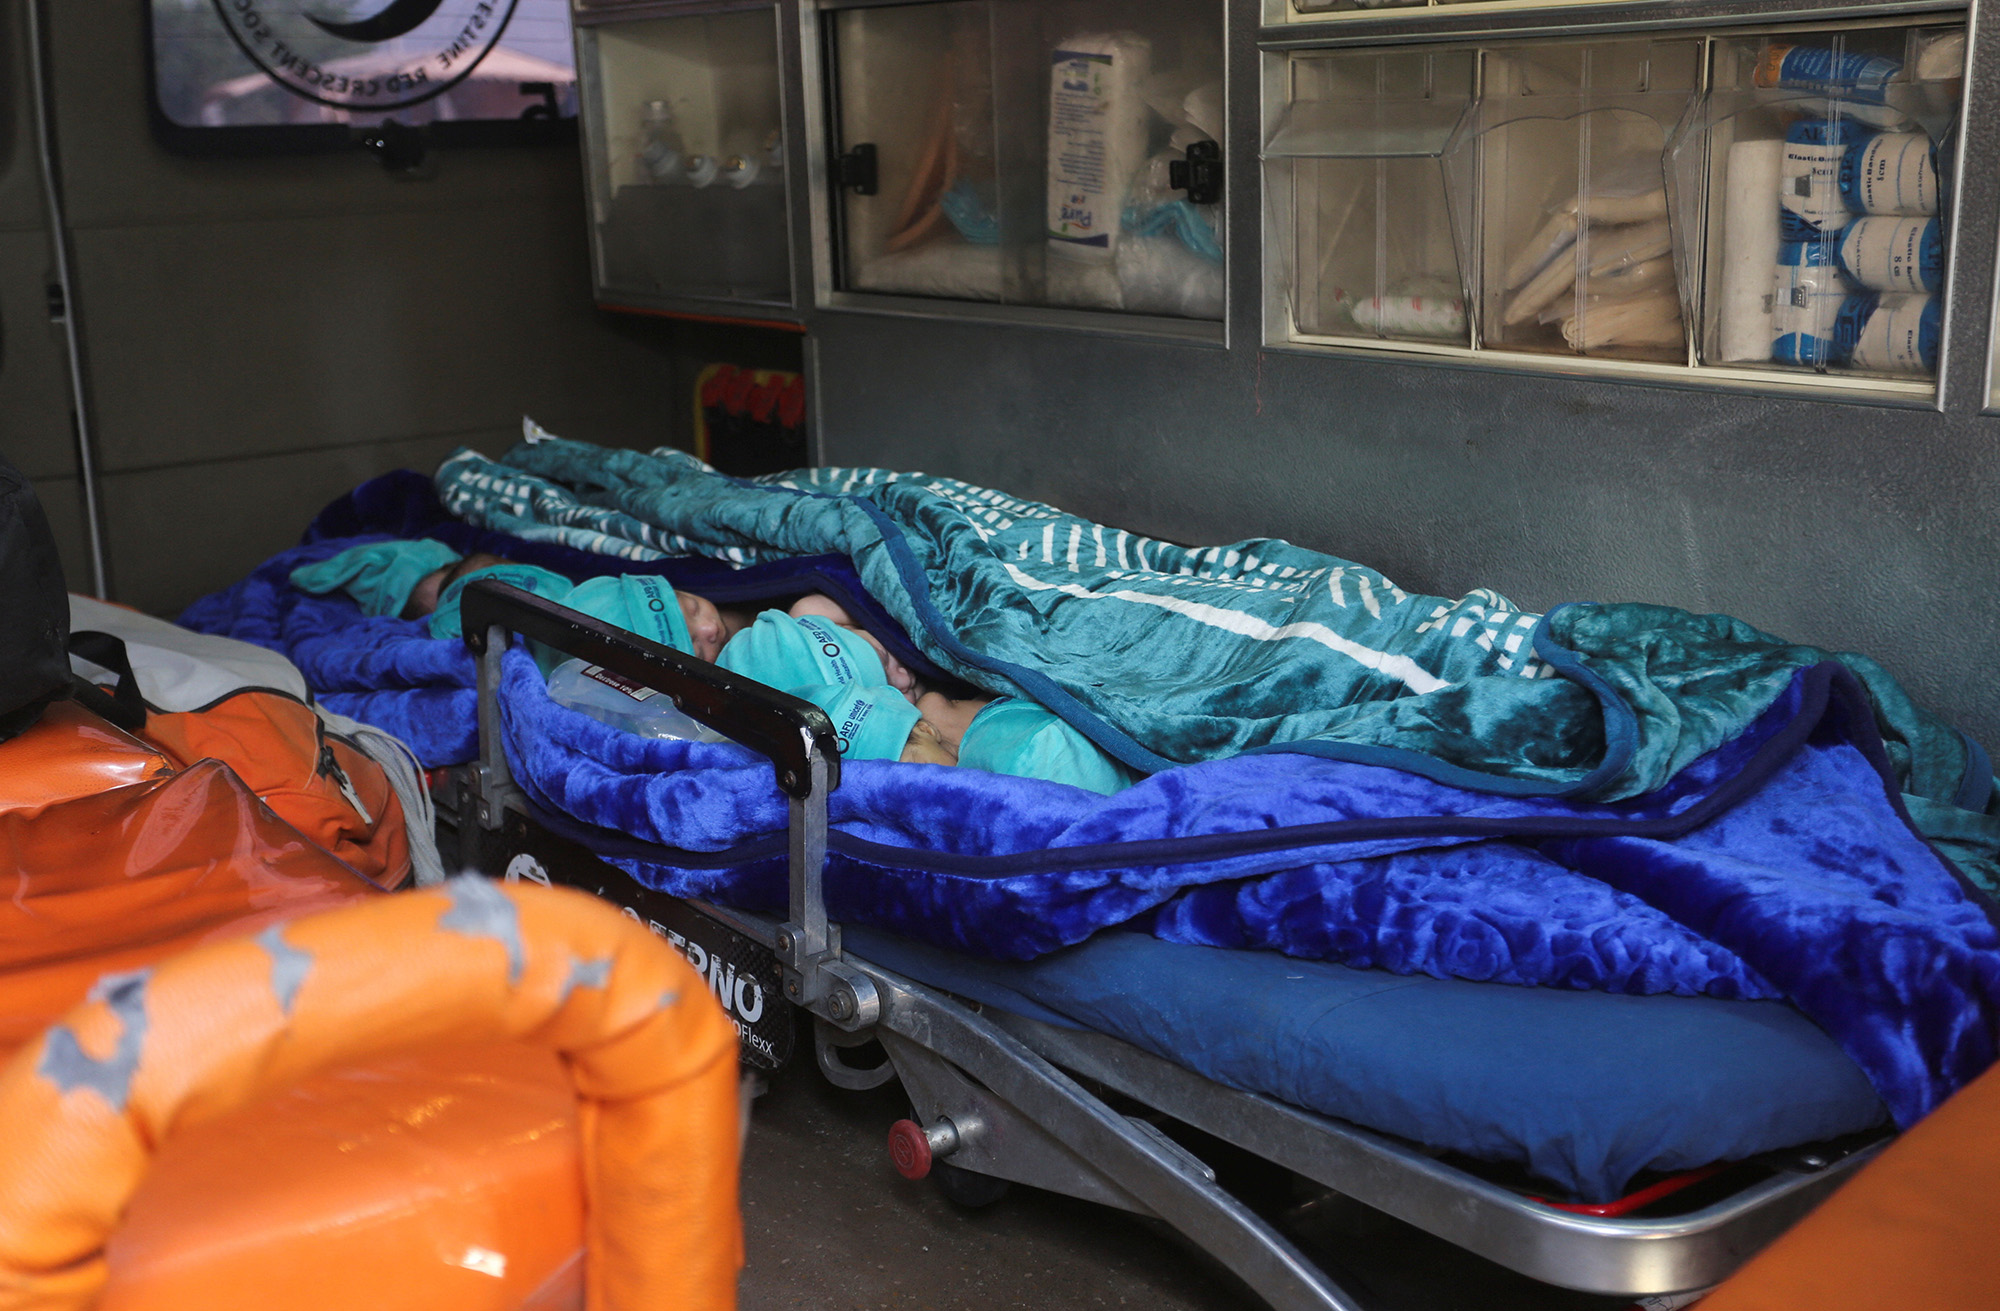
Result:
<point x="966" y="1188"/>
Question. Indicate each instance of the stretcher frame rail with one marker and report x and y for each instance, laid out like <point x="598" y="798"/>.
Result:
<point x="793" y="734"/>
<point x="1008" y="1087"/>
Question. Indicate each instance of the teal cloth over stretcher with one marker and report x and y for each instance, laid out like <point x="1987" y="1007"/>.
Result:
<point x="1165" y="654"/>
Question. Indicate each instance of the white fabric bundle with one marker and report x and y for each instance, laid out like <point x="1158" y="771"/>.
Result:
<point x="1610" y="249"/>
<point x="1649" y="320"/>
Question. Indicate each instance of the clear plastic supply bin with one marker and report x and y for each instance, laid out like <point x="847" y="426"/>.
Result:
<point x="1812" y="187"/>
<point x="1361" y="213"/>
<point x="1030" y="154"/>
<point x="1757" y="207"/>
<point x="1575" y="246"/>
<point x="685" y="144"/>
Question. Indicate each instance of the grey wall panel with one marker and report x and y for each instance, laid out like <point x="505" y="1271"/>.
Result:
<point x="34" y="386"/>
<point x="1855" y="527"/>
<point x="263" y="335"/>
<point x="260" y="334"/>
<point x="20" y="180"/>
<point x="177" y="533"/>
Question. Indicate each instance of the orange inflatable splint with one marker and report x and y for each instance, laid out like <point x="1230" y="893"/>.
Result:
<point x="117" y="879"/>
<point x="651" y="1056"/>
<point x="71" y="753"/>
<point x="445" y="1180"/>
<point x="1915" y="1230"/>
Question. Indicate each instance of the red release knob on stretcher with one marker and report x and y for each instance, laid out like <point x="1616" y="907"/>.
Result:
<point x="910" y="1149"/>
<point x="913" y="1147"/>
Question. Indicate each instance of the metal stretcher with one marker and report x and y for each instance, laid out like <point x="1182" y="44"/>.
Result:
<point x="1001" y="1096"/>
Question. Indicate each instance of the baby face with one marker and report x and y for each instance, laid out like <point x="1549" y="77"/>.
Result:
<point x="706" y="625"/>
<point x="925" y="747"/>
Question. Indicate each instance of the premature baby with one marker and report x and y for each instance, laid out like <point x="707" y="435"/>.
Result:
<point x="419" y="578"/>
<point x="815" y="651"/>
<point x="882" y="712"/>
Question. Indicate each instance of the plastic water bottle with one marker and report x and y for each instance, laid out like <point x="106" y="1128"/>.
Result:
<point x="612" y="699"/>
<point x="660" y="153"/>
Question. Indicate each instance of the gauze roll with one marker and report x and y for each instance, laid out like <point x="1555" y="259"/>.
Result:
<point x="1809" y="187"/>
<point x="1406" y="316"/>
<point x="1891" y="332"/>
<point x="1810" y="292"/>
<point x="1750" y="243"/>
<point x="1818" y="68"/>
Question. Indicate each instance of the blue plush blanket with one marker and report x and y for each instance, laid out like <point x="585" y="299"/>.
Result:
<point x="1780" y="861"/>
<point x="1777" y="865"/>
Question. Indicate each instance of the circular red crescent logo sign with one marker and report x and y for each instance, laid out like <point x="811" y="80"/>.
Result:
<point x="368" y="56"/>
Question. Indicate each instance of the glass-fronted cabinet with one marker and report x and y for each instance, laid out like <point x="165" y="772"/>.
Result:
<point x="1053" y="153"/>
<point x="685" y="148"/>
<point x="1763" y="206"/>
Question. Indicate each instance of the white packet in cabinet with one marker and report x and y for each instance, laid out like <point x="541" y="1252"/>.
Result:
<point x="1097" y="139"/>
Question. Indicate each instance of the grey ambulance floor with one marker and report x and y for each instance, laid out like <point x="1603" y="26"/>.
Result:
<point x="830" y="1226"/>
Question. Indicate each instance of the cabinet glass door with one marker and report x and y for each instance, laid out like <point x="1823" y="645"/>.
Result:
<point x="1575" y="247"/>
<point x="1018" y="152"/>
<point x="1357" y="186"/>
<point x="1765" y="203"/>
<point x="686" y="153"/>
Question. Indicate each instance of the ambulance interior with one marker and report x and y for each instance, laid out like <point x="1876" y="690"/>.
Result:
<point x="1317" y="654"/>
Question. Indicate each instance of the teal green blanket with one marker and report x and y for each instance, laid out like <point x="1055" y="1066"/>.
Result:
<point x="1169" y="655"/>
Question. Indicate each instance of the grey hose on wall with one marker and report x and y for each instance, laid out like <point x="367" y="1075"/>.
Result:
<point x="86" y="457"/>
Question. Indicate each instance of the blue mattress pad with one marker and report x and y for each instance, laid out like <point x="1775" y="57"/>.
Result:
<point x="1583" y="1089"/>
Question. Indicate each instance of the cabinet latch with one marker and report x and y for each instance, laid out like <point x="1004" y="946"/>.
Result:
<point x="855" y="171"/>
<point x="1200" y="174"/>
